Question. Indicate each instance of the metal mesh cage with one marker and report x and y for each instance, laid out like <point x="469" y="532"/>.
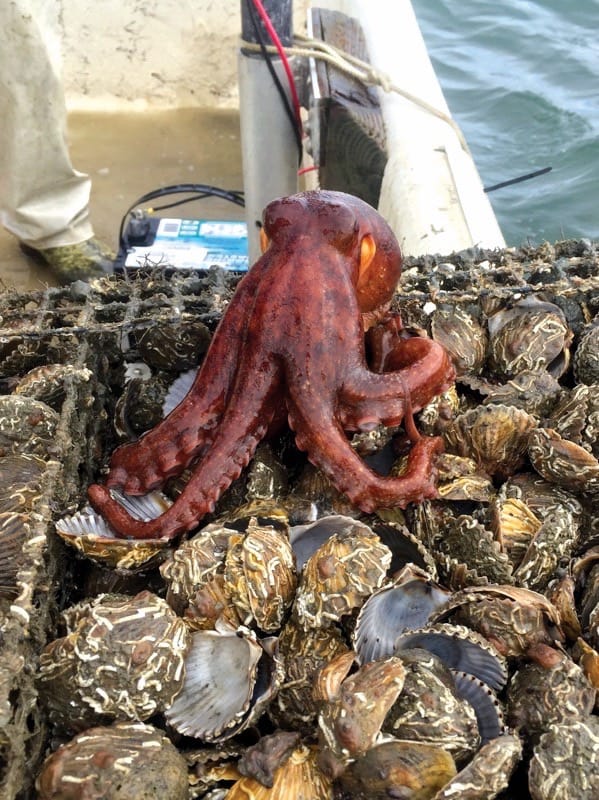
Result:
<point x="99" y="329"/>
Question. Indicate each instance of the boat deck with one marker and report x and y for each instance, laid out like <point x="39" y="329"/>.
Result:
<point x="130" y="153"/>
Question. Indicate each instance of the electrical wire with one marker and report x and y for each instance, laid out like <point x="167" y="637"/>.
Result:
<point x="297" y="132"/>
<point x="198" y="191"/>
<point x="283" y="56"/>
<point x="519" y="179"/>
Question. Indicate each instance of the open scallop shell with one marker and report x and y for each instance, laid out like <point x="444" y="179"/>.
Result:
<point x="341" y="573"/>
<point x="229" y="678"/>
<point x="406" y="604"/>
<point x="460" y="649"/>
<point x="91" y="535"/>
<point x="531" y="335"/>
<point x="483" y="700"/>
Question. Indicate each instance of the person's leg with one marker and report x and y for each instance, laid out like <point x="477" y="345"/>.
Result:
<point x="44" y="201"/>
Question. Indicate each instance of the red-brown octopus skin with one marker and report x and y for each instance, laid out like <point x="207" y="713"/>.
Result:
<point x="291" y="342"/>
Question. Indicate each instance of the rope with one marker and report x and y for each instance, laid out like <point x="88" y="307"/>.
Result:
<point x="362" y="71"/>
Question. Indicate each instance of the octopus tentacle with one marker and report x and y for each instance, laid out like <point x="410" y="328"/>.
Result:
<point x="421" y="370"/>
<point x="243" y="427"/>
<point x="319" y="435"/>
<point x="181" y="437"/>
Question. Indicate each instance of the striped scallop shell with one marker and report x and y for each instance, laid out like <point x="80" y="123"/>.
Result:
<point x="563" y="462"/>
<point x="14" y="532"/>
<point x="495" y="436"/>
<point x="90" y="534"/>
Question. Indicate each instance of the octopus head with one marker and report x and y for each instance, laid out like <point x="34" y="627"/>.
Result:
<point x="349" y="225"/>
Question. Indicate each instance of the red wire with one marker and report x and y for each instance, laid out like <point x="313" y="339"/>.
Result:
<point x="286" y="66"/>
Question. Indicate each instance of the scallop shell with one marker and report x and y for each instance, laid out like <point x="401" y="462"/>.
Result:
<point x="563" y="462"/>
<point x="511" y="617"/>
<point x="586" y="358"/>
<point x="395" y="768"/>
<point x="429" y="709"/>
<point x="462" y="336"/>
<point x="300" y="776"/>
<point x="91" y="535"/>
<point x="514" y="526"/>
<point x="531" y="335"/>
<point x="489" y="714"/>
<point x="224" y="669"/>
<point x="551" y="546"/>
<point x="564" y="762"/>
<point x="350" y="723"/>
<point x="341" y="573"/>
<point x="137" y="758"/>
<point x="14" y="532"/>
<point x="461" y="479"/>
<point x="260" y="576"/>
<point x="21" y="482"/>
<point x="178" y="390"/>
<point x="495" y="436"/>
<point x="540" y="695"/>
<point x="468" y="554"/>
<point x="460" y="649"/>
<point x="487" y="774"/>
<point x="405" y="604"/>
<point x="174" y="345"/>
<point x="304" y="653"/>
<point x="135" y="644"/>
<point x="193" y="566"/>
<point x="27" y="427"/>
<point x="48" y="382"/>
<point x="532" y="391"/>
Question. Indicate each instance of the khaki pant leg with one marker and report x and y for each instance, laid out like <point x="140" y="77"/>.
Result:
<point x="43" y="200"/>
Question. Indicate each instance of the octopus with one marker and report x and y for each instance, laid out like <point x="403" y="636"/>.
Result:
<point x="291" y="348"/>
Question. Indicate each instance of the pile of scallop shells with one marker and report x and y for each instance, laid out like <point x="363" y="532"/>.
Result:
<point x="294" y="647"/>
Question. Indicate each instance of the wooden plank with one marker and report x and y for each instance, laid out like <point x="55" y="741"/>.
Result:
<point x="352" y="155"/>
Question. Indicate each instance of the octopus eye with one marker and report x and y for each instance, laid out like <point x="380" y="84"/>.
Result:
<point x="264" y="240"/>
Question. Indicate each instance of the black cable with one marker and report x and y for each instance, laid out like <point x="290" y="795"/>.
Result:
<point x="279" y="86"/>
<point x="519" y="179"/>
<point x="199" y="191"/>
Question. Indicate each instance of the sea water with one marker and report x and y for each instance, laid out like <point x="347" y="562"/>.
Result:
<point x="521" y="78"/>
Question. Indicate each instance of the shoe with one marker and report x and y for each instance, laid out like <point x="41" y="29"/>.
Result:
<point x="75" y="262"/>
